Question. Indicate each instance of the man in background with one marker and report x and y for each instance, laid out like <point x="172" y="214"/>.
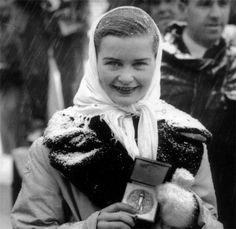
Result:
<point x="165" y="12"/>
<point x="199" y="77"/>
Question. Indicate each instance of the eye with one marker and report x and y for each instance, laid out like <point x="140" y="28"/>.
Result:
<point x="223" y="3"/>
<point x="140" y="64"/>
<point x="204" y="3"/>
<point x="113" y="64"/>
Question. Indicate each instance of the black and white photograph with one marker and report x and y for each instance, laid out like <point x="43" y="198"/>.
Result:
<point x="117" y="114"/>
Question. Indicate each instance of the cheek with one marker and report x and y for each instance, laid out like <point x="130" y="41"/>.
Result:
<point x="105" y="76"/>
<point x="101" y="76"/>
<point x="192" y="15"/>
<point x="146" y="78"/>
<point x="149" y="81"/>
<point x="226" y="14"/>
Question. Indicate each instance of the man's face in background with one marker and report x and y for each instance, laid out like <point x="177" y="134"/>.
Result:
<point x="165" y="11"/>
<point x="206" y="20"/>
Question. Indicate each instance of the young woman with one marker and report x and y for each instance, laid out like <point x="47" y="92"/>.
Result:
<point x="77" y="172"/>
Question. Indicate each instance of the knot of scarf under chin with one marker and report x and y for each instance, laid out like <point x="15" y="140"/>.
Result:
<point x="121" y="123"/>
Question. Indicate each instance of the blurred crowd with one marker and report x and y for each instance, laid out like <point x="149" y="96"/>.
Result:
<point x="42" y="53"/>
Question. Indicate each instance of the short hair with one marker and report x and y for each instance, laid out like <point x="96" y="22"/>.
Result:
<point x="126" y="22"/>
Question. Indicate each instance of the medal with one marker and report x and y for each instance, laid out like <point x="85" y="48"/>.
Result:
<point x="140" y="191"/>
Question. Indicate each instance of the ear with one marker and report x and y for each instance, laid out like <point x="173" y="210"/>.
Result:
<point x="182" y="4"/>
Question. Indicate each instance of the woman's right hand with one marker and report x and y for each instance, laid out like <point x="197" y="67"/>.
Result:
<point x="117" y="216"/>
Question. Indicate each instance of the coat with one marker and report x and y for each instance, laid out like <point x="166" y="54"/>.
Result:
<point x="61" y="191"/>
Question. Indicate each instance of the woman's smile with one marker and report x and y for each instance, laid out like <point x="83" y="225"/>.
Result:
<point x="124" y="90"/>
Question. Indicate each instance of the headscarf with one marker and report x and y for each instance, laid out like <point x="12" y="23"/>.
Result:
<point x="92" y="100"/>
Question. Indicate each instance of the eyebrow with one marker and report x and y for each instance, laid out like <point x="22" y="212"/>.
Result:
<point x="117" y="59"/>
<point x="110" y="58"/>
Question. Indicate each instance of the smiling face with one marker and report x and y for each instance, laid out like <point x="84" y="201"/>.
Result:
<point x="206" y="20"/>
<point x="125" y="67"/>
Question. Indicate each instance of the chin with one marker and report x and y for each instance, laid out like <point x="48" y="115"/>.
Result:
<point x="214" y="35"/>
<point x="212" y="40"/>
<point x="124" y="103"/>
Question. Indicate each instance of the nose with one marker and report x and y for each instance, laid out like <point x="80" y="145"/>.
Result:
<point x="126" y="76"/>
<point x="215" y="11"/>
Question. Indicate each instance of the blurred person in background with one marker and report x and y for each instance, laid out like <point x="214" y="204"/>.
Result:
<point x="59" y="26"/>
<point x="39" y="31"/>
<point x="199" y="77"/>
<point x="11" y="79"/>
<point x="143" y="4"/>
<point x="163" y="12"/>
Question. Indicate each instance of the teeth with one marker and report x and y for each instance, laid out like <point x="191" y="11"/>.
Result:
<point x="124" y="89"/>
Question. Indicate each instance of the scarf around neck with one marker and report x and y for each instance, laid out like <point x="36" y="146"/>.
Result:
<point x="91" y="100"/>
